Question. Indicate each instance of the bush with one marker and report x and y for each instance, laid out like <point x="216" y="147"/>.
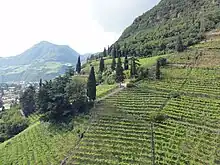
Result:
<point x="11" y="123"/>
<point x="111" y="79"/>
<point x="131" y="85"/>
<point x="174" y="95"/>
<point x="163" y="61"/>
<point x="158" y="117"/>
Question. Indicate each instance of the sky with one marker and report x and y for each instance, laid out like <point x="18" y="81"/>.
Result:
<point x="85" y="25"/>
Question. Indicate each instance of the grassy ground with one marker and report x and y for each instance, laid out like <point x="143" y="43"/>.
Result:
<point x="145" y="62"/>
<point x="103" y="90"/>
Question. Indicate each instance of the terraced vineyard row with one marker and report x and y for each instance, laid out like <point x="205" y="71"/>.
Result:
<point x="121" y="132"/>
<point x="40" y="144"/>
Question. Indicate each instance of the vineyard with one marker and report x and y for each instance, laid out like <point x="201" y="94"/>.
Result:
<point x="120" y="130"/>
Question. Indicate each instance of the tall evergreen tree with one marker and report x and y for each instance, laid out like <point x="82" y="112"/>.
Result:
<point x="134" y="63"/>
<point x="126" y="66"/>
<point x="40" y="83"/>
<point x="179" y="45"/>
<point x="78" y="66"/>
<point x="113" y="52"/>
<point x="104" y="52"/>
<point x="119" y="72"/>
<point x="158" y="70"/>
<point x="113" y="63"/>
<point x="91" y="85"/>
<point x="101" y="65"/>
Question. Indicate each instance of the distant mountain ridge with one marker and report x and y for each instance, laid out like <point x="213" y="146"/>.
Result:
<point x="44" y="60"/>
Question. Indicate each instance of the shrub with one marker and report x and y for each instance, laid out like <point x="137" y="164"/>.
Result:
<point x="131" y="85"/>
<point x="158" y="117"/>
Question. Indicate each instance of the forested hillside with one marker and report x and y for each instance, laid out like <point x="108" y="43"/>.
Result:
<point x="157" y="30"/>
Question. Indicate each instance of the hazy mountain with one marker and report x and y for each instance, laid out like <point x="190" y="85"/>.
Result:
<point x="43" y="60"/>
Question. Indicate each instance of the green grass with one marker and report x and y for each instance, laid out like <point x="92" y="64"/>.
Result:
<point x="102" y="90"/>
<point x="145" y="62"/>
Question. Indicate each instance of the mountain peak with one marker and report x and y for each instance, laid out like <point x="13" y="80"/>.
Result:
<point x="43" y="60"/>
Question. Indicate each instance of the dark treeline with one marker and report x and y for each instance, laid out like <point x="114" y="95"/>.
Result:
<point x="63" y="97"/>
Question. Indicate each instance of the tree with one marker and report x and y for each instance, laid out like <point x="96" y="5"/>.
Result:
<point x="126" y="65"/>
<point x="179" y="45"/>
<point x="119" y="72"/>
<point x="43" y="97"/>
<point x="113" y="52"/>
<point x="40" y="83"/>
<point x="27" y="100"/>
<point x="101" y="65"/>
<point x="158" y="70"/>
<point x="78" y="66"/>
<point x="70" y="71"/>
<point x="91" y="85"/>
<point x="134" y="63"/>
<point x="76" y="94"/>
<point x="104" y="52"/>
<point x="113" y="65"/>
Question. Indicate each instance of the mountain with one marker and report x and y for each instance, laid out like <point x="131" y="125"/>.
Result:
<point x="157" y="29"/>
<point x="44" y="60"/>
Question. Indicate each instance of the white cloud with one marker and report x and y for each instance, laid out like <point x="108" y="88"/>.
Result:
<point x="78" y="23"/>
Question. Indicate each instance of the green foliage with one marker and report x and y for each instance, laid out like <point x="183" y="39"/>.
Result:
<point x="113" y="65"/>
<point x="134" y="64"/>
<point x="163" y="61"/>
<point x="11" y="123"/>
<point x="27" y="100"/>
<point x="104" y="52"/>
<point x="179" y="45"/>
<point x="119" y="71"/>
<point x="156" y="30"/>
<point x="126" y="63"/>
<point x="158" y="117"/>
<point x="78" y="66"/>
<point x="101" y="65"/>
<point x="131" y="85"/>
<point x="91" y="85"/>
<point x="143" y="73"/>
<point x="158" y="72"/>
<point x="76" y="94"/>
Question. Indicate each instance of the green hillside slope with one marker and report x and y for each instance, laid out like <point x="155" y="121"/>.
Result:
<point x="118" y="131"/>
<point x="157" y="29"/>
<point x="188" y="97"/>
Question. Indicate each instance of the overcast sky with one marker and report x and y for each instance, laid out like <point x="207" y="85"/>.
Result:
<point x="85" y="25"/>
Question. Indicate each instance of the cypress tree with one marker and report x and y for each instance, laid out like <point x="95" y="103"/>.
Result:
<point x="133" y="68"/>
<point x="109" y="50"/>
<point x="114" y="53"/>
<point x="126" y="67"/>
<point x="179" y="45"/>
<point x="119" y="71"/>
<point x="91" y="85"/>
<point x="101" y="65"/>
<point x="40" y="83"/>
<point x="158" y="70"/>
<point x="78" y="66"/>
<point x="113" y="63"/>
<point x="104" y="53"/>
